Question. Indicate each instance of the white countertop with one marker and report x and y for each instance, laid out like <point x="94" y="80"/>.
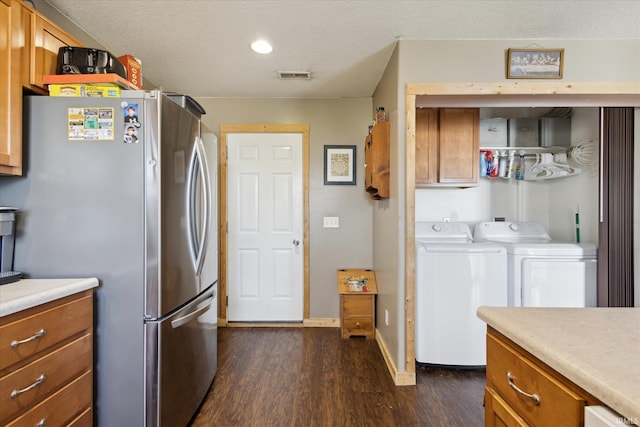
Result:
<point x="28" y="293"/>
<point x="596" y="348"/>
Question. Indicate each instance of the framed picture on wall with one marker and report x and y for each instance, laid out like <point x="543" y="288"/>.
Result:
<point x="339" y="165"/>
<point x="535" y="63"/>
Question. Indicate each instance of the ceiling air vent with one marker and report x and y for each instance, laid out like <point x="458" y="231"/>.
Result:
<point x="294" y="75"/>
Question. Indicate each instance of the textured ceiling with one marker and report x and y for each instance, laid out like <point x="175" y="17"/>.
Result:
<point x="201" y="47"/>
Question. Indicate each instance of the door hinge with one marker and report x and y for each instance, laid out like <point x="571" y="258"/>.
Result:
<point x="227" y="300"/>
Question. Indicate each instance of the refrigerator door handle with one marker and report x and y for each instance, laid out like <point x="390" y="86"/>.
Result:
<point x="204" y="170"/>
<point x="189" y="202"/>
<point x="176" y="323"/>
<point x="197" y="166"/>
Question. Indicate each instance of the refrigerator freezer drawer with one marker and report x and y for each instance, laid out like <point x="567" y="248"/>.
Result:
<point x="179" y="373"/>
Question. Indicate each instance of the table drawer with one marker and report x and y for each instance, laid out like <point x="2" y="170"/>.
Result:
<point x="64" y="407"/>
<point x="357" y="326"/>
<point x="54" y="370"/>
<point x="357" y="305"/>
<point x="58" y="324"/>
<point x="558" y="405"/>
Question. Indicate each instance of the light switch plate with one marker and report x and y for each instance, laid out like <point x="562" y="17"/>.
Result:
<point x="331" y="222"/>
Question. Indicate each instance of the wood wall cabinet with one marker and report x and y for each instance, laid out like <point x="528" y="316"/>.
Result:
<point x="28" y="50"/>
<point x="6" y="148"/>
<point x="376" y="161"/>
<point x="447" y="146"/>
<point x="48" y="38"/>
<point x="523" y="391"/>
<point x="46" y="364"/>
<point x="15" y="24"/>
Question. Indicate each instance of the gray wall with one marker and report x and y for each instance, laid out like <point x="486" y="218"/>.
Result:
<point x="331" y="121"/>
<point x="388" y="223"/>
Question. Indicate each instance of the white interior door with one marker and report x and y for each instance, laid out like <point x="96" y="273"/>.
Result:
<point x="265" y="205"/>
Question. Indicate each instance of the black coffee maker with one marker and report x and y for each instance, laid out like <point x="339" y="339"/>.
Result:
<point x="7" y="245"/>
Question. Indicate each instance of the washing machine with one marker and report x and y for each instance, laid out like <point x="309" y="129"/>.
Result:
<point x="454" y="276"/>
<point x="542" y="272"/>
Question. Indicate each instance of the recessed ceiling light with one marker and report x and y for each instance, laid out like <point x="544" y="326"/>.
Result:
<point x="261" y="46"/>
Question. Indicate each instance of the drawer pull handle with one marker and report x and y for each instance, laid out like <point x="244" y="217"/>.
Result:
<point x="534" y="397"/>
<point x="42" y="423"/>
<point x="39" y="334"/>
<point x="40" y="380"/>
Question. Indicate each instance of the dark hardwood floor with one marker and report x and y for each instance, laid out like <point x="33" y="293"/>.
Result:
<point x="311" y="377"/>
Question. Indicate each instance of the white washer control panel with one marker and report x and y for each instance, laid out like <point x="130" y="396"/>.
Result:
<point x="511" y="232"/>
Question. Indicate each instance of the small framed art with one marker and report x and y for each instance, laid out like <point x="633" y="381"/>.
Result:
<point x="340" y="165"/>
<point x="535" y="63"/>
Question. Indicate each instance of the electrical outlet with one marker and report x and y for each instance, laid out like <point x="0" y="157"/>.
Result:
<point x="331" y="222"/>
<point x="386" y="317"/>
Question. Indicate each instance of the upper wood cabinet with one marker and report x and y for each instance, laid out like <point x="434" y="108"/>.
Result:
<point x="15" y="38"/>
<point x="376" y="159"/>
<point x="28" y="50"/>
<point x="47" y="39"/>
<point x="5" y="83"/>
<point x="447" y="146"/>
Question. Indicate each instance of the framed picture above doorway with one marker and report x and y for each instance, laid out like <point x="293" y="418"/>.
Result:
<point x="535" y="63"/>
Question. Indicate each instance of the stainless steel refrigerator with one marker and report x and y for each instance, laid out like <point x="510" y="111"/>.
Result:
<point x="124" y="189"/>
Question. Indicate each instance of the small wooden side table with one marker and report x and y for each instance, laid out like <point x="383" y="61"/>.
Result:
<point x="357" y="307"/>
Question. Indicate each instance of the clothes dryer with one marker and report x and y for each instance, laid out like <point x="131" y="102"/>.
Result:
<point x="454" y="276"/>
<point x="542" y="272"/>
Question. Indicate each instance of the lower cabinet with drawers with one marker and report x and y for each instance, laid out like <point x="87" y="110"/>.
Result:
<point x="46" y="364"/>
<point x="357" y="307"/>
<point x="523" y="391"/>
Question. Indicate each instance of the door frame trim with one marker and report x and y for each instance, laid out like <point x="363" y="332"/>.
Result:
<point x="260" y="128"/>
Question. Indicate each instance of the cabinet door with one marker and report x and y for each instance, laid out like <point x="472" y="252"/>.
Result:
<point x="48" y="38"/>
<point x="15" y="19"/>
<point x="5" y="83"/>
<point x="368" y="162"/>
<point x="459" y="145"/>
<point x="377" y="161"/>
<point x="21" y="40"/>
<point x="426" y="146"/>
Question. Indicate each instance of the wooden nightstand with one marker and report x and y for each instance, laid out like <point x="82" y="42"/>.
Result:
<point x="357" y="308"/>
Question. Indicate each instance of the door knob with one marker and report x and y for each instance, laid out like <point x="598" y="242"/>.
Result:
<point x="296" y="242"/>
